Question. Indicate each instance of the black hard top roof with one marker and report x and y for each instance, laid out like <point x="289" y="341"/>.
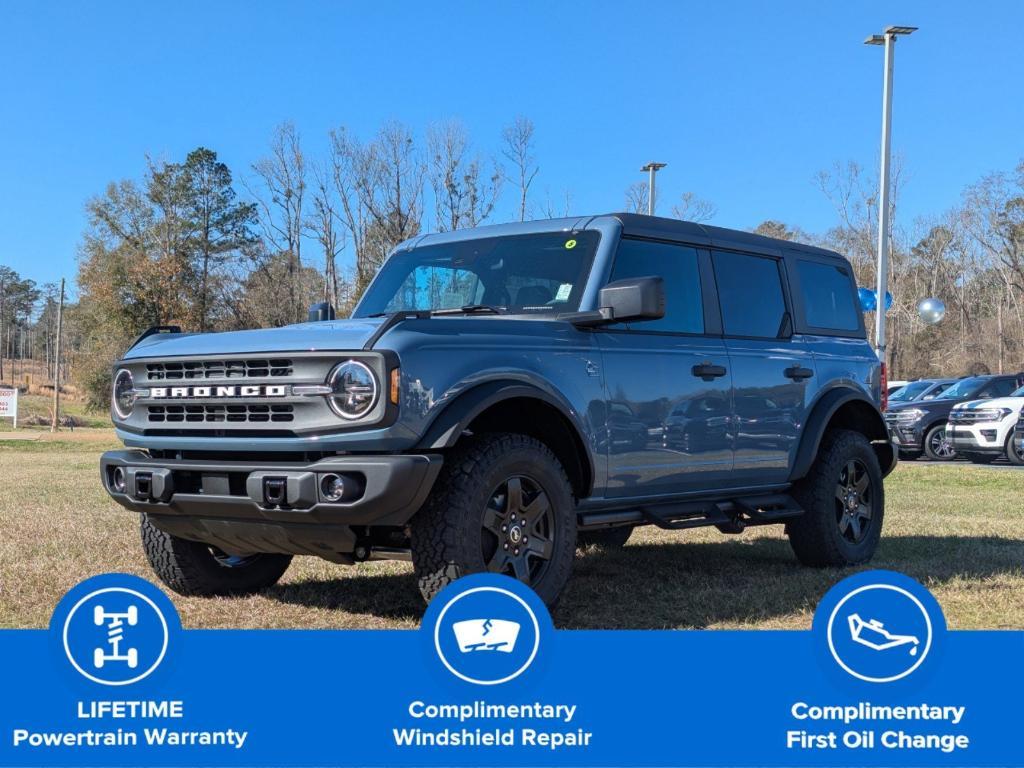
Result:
<point x="674" y="229"/>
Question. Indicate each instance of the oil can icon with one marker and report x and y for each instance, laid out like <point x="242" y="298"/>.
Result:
<point x="115" y="635"/>
<point x="486" y="635"/>
<point x="873" y="634"/>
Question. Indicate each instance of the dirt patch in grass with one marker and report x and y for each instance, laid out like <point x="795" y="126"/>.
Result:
<point x="955" y="528"/>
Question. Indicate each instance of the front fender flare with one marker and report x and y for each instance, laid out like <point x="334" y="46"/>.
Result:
<point x="445" y="430"/>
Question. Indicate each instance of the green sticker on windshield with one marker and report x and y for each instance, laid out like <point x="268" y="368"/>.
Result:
<point x="570" y="244"/>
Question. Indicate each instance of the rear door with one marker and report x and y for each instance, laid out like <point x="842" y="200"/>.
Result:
<point x="771" y="368"/>
<point x="667" y="381"/>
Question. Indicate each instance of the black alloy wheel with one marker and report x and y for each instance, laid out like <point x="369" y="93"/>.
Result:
<point x="853" y="501"/>
<point x="518" y="530"/>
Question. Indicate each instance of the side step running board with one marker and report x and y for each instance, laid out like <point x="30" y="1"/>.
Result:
<point x="730" y="516"/>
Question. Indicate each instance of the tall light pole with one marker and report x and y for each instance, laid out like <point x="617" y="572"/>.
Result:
<point x="888" y="39"/>
<point x="651" y="168"/>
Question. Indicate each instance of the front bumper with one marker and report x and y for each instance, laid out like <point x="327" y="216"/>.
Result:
<point x="976" y="438"/>
<point x="246" y="506"/>
<point x="906" y="437"/>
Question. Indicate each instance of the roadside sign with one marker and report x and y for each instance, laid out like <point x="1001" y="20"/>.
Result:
<point x="9" y="405"/>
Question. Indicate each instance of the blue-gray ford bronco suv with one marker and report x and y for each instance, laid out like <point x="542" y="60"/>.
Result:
<point x="503" y="395"/>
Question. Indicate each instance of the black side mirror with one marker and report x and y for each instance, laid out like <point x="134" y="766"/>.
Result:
<point x="320" y="312"/>
<point x="637" y="298"/>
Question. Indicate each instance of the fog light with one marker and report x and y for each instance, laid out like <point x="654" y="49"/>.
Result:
<point x="117" y="480"/>
<point x="332" y="487"/>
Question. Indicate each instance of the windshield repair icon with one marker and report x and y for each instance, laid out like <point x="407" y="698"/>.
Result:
<point x="115" y="635"/>
<point x="872" y="633"/>
<point x="486" y="635"/>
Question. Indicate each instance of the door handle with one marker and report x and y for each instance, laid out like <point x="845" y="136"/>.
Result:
<point x="797" y="373"/>
<point x="707" y="371"/>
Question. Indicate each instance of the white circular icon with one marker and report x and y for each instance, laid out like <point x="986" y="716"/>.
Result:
<point x="115" y="636"/>
<point x="514" y="650"/>
<point x="885" y="650"/>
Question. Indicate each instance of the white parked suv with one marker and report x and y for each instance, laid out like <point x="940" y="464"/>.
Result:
<point x="982" y="430"/>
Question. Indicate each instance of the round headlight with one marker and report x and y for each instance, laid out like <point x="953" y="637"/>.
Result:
<point x="124" y="394"/>
<point x="353" y="390"/>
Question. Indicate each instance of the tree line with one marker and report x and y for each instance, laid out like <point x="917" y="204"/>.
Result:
<point x="191" y="243"/>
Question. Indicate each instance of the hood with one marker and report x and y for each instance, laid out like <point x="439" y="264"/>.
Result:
<point x="1013" y="403"/>
<point x="304" y="337"/>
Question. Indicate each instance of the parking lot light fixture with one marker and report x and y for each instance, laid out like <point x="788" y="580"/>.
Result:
<point x="888" y="39"/>
<point x="651" y="168"/>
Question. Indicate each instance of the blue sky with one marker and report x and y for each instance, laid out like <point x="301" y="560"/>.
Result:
<point x="746" y="101"/>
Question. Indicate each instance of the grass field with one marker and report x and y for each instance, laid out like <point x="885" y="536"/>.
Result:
<point x="955" y="528"/>
<point x="35" y="413"/>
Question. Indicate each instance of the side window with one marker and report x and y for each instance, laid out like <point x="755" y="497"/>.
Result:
<point x="1000" y="388"/>
<point x="677" y="264"/>
<point x="750" y="294"/>
<point x="828" y="296"/>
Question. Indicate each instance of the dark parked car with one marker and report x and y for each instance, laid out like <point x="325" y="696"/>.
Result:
<point x="499" y="395"/>
<point x="919" y="427"/>
<point x="924" y="389"/>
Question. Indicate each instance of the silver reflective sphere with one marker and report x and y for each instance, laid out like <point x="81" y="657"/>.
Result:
<point x="931" y="310"/>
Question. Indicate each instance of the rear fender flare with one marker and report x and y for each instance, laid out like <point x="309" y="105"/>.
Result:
<point x="821" y="414"/>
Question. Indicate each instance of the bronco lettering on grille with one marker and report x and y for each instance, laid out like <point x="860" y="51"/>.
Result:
<point x="253" y="390"/>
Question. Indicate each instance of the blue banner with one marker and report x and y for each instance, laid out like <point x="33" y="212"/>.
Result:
<point x="878" y="680"/>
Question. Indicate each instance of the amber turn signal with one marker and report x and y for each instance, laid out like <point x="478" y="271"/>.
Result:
<point x="394" y="385"/>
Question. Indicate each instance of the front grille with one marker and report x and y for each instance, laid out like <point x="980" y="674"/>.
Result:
<point x="970" y="417"/>
<point x="248" y="414"/>
<point x="218" y="369"/>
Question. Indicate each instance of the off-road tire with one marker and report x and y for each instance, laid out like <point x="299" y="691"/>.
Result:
<point x="929" y="451"/>
<point x="979" y="458"/>
<point x="1011" y="455"/>
<point x="608" y="538"/>
<point x="447" y="532"/>
<point x="193" y="569"/>
<point x="815" y="536"/>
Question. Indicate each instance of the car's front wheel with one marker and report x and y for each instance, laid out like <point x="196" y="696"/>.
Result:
<point x="502" y="504"/>
<point x="937" y="445"/>
<point x="195" y="569"/>
<point x="843" y="502"/>
<point x="1014" y="450"/>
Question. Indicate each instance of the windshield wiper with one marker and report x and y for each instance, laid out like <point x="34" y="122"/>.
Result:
<point x="470" y="309"/>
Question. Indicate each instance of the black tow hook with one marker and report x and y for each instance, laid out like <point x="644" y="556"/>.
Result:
<point x="275" y="490"/>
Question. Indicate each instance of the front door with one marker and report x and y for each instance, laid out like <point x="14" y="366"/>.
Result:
<point x="667" y="383"/>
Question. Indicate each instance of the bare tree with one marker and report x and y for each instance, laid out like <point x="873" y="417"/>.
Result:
<point x="518" y="149"/>
<point x="380" y="188"/>
<point x="636" y="197"/>
<point x="280" y="195"/>
<point x="326" y="228"/>
<point x="464" y="194"/>
<point x="692" y="208"/>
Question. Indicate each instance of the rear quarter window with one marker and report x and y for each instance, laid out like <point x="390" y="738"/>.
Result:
<point x="828" y="296"/>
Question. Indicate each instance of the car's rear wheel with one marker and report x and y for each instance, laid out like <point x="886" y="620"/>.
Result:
<point x="192" y="568"/>
<point x="937" y="445"/>
<point x="502" y="504"/>
<point x="843" y="501"/>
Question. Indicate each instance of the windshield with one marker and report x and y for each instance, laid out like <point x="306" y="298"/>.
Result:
<point x="963" y="388"/>
<point x="524" y="274"/>
<point x="910" y="392"/>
